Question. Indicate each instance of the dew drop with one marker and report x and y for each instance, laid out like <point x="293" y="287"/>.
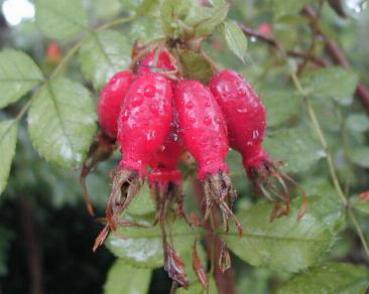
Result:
<point x="189" y="105"/>
<point x="175" y="137"/>
<point x="241" y="91"/>
<point x="242" y="110"/>
<point x="137" y="100"/>
<point x="150" y="135"/>
<point x="255" y="134"/>
<point x="149" y="91"/>
<point x="125" y="114"/>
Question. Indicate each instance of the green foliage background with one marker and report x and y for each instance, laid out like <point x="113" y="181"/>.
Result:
<point x="48" y="120"/>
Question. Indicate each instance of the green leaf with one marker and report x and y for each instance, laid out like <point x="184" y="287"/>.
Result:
<point x="358" y="122"/>
<point x="8" y="140"/>
<point x="288" y="7"/>
<point x="296" y="147"/>
<point x="255" y="281"/>
<point x="216" y="16"/>
<point x="282" y="105"/>
<point x="360" y="205"/>
<point x="197" y="288"/>
<point x="195" y="66"/>
<point x="217" y="2"/>
<point x="143" y="203"/>
<point x="102" y="55"/>
<point x="18" y="75"/>
<point x="235" y="39"/>
<point x="189" y="18"/>
<point x="149" y="8"/>
<point x="333" y="82"/>
<point x="131" y="4"/>
<point x="61" y="19"/>
<point x="142" y="247"/>
<point x="286" y="244"/>
<point x="62" y="122"/>
<point x="173" y="15"/>
<point x="142" y="7"/>
<point x="145" y="30"/>
<point x="103" y="9"/>
<point x="123" y="278"/>
<point x="330" y="279"/>
<point x="360" y="156"/>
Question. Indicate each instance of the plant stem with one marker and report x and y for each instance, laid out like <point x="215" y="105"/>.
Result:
<point x="331" y="167"/>
<point x="66" y="59"/>
<point x="338" y="57"/>
<point x="336" y="54"/>
<point x="114" y="23"/>
<point x="225" y="281"/>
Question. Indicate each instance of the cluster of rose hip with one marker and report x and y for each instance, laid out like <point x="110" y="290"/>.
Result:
<point x="155" y="115"/>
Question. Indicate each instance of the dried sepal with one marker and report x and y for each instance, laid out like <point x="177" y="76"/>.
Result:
<point x="175" y="266"/>
<point x="199" y="268"/>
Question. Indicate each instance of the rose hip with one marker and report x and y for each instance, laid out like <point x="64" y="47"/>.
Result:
<point x="143" y="125"/>
<point x="205" y="137"/>
<point x="245" y="116"/>
<point x="111" y="99"/>
<point x="108" y="110"/>
<point x="246" y="121"/>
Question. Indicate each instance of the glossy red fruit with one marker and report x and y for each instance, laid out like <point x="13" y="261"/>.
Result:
<point x="164" y="162"/>
<point x="143" y="124"/>
<point x="111" y="99"/>
<point x="245" y="115"/>
<point x="204" y="134"/>
<point x="202" y="127"/>
<point x="144" y="120"/>
<point x="247" y="122"/>
<point x="157" y="60"/>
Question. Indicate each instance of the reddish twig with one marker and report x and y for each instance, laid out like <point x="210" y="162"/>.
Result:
<point x="32" y="245"/>
<point x="225" y="281"/>
<point x="336" y="54"/>
<point x="273" y="43"/>
<point x="333" y="50"/>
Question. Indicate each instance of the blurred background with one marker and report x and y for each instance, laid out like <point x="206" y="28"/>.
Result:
<point x="46" y="234"/>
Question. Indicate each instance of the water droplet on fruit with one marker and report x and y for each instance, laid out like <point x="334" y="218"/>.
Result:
<point x="149" y="91"/>
<point x="137" y="100"/>
<point x="242" y="110"/>
<point x="175" y="137"/>
<point x="125" y="114"/>
<point x="150" y="135"/>
<point x="189" y="105"/>
<point x="241" y="91"/>
<point x="255" y="134"/>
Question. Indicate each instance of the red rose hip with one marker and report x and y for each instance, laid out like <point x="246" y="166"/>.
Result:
<point x="247" y="122"/>
<point x="111" y="99"/>
<point x="205" y="137"/>
<point x="143" y="125"/>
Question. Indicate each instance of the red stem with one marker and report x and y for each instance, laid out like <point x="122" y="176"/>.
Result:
<point x="32" y="246"/>
<point x="225" y="281"/>
<point x="337" y="55"/>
